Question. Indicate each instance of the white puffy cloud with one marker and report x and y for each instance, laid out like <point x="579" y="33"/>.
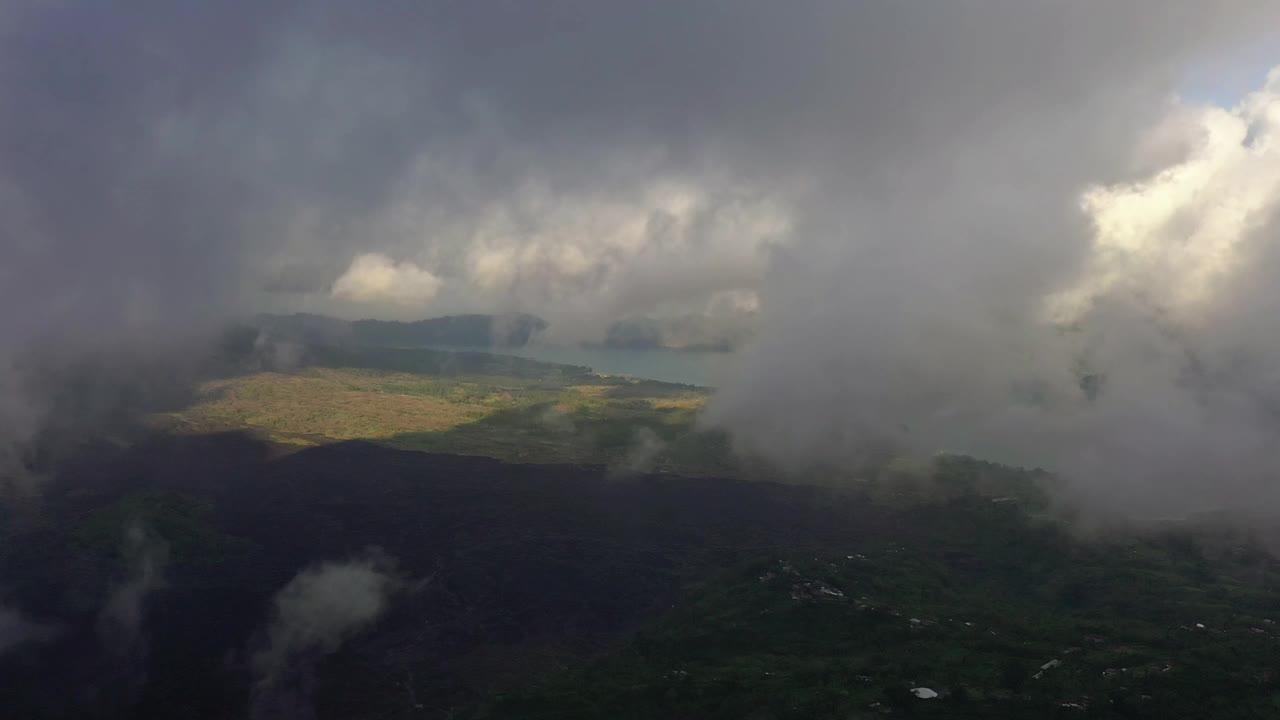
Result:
<point x="1178" y="237"/>
<point x="321" y="607"/>
<point x="581" y="258"/>
<point x="667" y="241"/>
<point x="374" y="277"/>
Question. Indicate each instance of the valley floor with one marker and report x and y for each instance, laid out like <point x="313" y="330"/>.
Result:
<point x="576" y="548"/>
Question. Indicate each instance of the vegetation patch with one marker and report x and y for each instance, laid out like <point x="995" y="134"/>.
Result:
<point x="528" y="416"/>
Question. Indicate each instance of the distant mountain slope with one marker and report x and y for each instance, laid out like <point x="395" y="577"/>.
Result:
<point x="304" y="328"/>
<point x="504" y="330"/>
<point x="692" y="331"/>
<point x="509" y="330"/>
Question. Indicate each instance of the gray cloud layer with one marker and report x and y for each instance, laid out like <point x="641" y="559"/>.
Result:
<point x="899" y="183"/>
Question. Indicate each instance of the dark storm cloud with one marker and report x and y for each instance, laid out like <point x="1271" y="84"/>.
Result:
<point x="110" y="245"/>
<point x="900" y="182"/>
<point x="103" y="226"/>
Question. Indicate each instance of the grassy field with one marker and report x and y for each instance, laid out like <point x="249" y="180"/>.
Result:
<point x="524" y="417"/>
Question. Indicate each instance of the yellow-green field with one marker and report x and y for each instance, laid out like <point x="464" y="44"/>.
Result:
<point x="592" y="419"/>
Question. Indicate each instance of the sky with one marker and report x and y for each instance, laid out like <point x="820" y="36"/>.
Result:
<point x="940" y="216"/>
<point x="1225" y="79"/>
